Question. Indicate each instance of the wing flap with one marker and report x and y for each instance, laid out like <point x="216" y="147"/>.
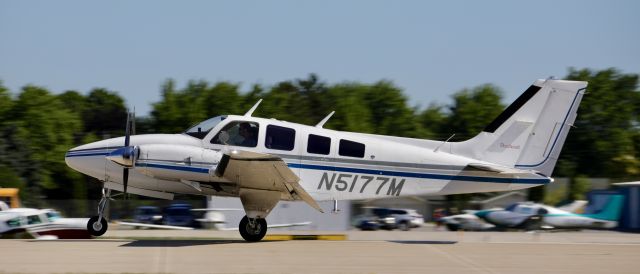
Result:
<point x="252" y="170"/>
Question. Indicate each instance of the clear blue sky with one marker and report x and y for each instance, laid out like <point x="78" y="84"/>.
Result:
<point x="430" y="49"/>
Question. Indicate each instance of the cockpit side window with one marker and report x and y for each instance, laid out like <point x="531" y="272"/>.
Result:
<point x="13" y="222"/>
<point x="200" y="130"/>
<point x="244" y="134"/>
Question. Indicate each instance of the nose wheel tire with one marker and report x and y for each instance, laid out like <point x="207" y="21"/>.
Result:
<point x="95" y="227"/>
<point x="252" y="230"/>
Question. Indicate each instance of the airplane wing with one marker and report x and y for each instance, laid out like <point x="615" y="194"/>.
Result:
<point x="252" y="170"/>
<point x="155" y="226"/>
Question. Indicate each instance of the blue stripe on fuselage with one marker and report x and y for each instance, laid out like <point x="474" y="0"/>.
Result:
<point x="423" y="175"/>
<point x="86" y="154"/>
<point x="375" y="172"/>
<point x="353" y="170"/>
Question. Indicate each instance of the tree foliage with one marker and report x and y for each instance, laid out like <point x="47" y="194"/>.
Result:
<point x="604" y="140"/>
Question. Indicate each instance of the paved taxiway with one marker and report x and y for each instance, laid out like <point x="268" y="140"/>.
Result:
<point x="364" y="252"/>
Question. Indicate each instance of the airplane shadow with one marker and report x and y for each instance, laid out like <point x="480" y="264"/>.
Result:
<point x="75" y="240"/>
<point x="180" y="243"/>
<point x="425" y="242"/>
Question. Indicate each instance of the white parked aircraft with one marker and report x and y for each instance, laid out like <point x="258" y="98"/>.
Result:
<point x="466" y="221"/>
<point x="40" y="224"/>
<point x="263" y="161"/>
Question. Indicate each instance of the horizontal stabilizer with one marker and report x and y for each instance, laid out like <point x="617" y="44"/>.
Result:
<point x="493" y="168"/>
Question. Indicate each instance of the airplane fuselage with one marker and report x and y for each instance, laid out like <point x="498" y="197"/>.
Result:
<point x="263" y="161"/>
<point x="348" y="166"/>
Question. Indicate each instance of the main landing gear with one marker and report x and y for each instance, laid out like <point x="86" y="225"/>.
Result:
<point x="97" y="225"/>
<point x="253" y="229"/>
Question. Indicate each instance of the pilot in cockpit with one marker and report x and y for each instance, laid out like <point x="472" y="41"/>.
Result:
<point x="248" y="134"/>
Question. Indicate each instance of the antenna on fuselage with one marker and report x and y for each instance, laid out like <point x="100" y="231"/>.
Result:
<point x="445" y="141"/>
<point x="248" y="114"/>
<point x="325" y="120"/>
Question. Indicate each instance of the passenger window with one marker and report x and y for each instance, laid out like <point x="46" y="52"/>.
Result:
<point x="33" y="219"/>
<point x="351" y="149"/>
<point x="244" y="134"/>
<point x="318" y="144"/>
<point x="280" y="138"/>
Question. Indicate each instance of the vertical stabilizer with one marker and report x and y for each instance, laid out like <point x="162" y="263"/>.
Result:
<point x="611" y="211"/>
<point x="529" y="133"/>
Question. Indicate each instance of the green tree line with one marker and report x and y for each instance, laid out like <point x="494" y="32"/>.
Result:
<point x="37" y="126"/>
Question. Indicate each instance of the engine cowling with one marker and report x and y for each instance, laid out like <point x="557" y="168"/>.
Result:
<point x="177" y="162"/>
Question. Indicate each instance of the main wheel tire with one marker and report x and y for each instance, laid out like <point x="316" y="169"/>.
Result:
<point x="95" y="227"/>
<point x="404" y="226"/>
<point x="255" y="233"/>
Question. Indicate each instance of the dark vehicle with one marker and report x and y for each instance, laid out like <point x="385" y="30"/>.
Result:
<point x="375" y="218"/>
<point x="179" y="215"/>
<point x="370" y="223"/>
<point x="385" y="218"/>
<point x="148" y="215"/>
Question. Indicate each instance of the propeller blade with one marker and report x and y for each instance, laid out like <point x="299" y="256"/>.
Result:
<point x="127" y="131"/>
<point x="133" y="122"/>
<point x="127" y="151"/>
<point x="125" y="178"/>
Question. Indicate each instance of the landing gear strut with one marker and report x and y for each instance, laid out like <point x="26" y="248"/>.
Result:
<point x="253" y="230"/>
<point x="97" y="225"/>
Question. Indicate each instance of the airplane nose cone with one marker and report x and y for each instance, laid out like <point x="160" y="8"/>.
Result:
<point x="88" y="159"/>
<point x="73" y="158"/>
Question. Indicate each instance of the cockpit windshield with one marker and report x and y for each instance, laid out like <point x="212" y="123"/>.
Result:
<point x="52" y="216"/>
<point x="200" y="130"/>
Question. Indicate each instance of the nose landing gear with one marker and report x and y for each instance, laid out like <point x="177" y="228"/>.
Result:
<point x="97" y="225"/>
<point x="253" y="230"/>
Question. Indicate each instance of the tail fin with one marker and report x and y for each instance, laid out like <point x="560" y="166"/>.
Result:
<point x="529" y="134"/>
<point x="611" y="211"/>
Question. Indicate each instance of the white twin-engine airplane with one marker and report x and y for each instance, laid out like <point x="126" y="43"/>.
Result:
<point x="263" y="161"/>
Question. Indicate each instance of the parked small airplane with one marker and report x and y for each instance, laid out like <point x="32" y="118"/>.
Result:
<point x="263" y="161"/>
<point x="40" y="224"/>
<point x="532" y="216"/>
<point x="466" y="221"/>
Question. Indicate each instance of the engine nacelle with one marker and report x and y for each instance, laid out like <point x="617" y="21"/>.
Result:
<point x="177" y="162"/>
